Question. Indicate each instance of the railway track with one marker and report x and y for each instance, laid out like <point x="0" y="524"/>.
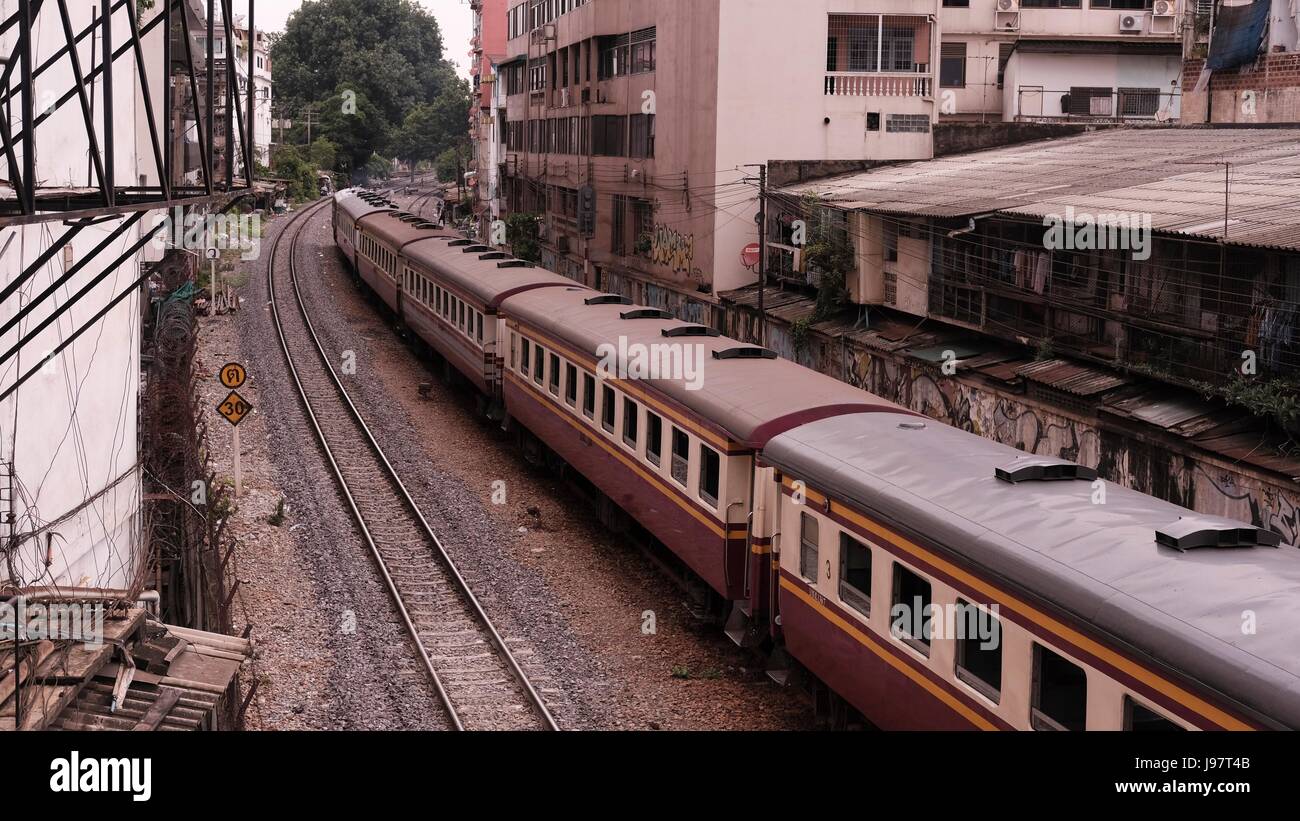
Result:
<point x="471" y="668"/>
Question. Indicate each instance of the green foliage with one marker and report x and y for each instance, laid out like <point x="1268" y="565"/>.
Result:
<point x="353" y="124"/>
<point x="521" y="233"/>
<point x="377" y="167"/>
<point x="323" y="154"/>
<point x="1275" y="399"/>
<point x="431" y="130"/>
<point x="288" y="163"/>
<point x="831" y="255"/>
<point x="450" y="163"/>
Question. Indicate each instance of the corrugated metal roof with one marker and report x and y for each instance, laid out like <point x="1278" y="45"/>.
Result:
<point x="1070" y="377"/>
<point x="1174" y="174"/>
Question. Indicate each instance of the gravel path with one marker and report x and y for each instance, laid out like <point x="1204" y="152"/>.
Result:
<point x="575" y="603"/>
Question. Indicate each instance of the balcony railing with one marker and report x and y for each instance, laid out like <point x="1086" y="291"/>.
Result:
<point x="877" y="84"/>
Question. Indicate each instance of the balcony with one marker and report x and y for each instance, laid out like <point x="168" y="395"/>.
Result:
<point x="890" y="84"/>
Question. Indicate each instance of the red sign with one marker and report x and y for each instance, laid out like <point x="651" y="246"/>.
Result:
<point x="750" y="257"/>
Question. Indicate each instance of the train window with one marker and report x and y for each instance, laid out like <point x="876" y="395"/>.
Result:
<point x="855" y="574"/>
<point x="681" y="457"/>
<point x="654" y="437"/>
<point x="589" y="395"/>
<point x="1060" y="699"/>
<point x="607" y="408"/>
<point x="808" y="543"/>
<point x="479" y="319"/>
<point x="554" y="382"/>
<point x="710" y="474"/>
<point x="570" y="384"/>
<point x="514" y="354"/>
<point x="979" y="650"/>
<point x="539" y="363"/>
<point x="460" y="312"/>
<point x="523" y="365"/>
<point x="1142" y="719"/>
<point x="909" y="612"/>
<point x="631" y="423"/>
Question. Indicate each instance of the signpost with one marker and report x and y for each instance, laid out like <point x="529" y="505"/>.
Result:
<point x="234" y="408"/>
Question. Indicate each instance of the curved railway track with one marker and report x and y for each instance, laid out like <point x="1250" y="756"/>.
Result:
<point x="470" y="666"/>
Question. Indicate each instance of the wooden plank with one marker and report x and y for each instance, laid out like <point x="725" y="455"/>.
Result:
<point x="159" y="710"/>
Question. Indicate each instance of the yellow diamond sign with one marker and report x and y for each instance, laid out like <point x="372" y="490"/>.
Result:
<point x="234" y="407"/>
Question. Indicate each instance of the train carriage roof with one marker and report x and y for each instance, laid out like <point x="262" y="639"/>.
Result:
<point x="751" y="398"/>
<point x="354" y="206"/>
<point x="484" y="279"/>
<point x="400" y="228"/>
<point x="1100" y="562"/>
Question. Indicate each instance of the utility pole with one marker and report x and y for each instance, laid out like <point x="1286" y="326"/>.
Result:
<point x="762" y="251"/>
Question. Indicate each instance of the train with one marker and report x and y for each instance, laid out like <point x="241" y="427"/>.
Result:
<point x="920" y="576"/>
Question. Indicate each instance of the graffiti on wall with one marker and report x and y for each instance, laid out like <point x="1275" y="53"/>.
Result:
<point x="672" y="248"/>
<point x="1182" y="478"/>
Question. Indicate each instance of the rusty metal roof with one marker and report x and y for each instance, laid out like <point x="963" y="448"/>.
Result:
<point x="1071" y="377"/>
<point x="1176" y="175"/>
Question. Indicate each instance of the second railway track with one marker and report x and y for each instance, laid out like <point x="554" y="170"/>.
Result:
<point x="476" y="676"/>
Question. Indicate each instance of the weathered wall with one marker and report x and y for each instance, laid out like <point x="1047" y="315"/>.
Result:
<point x="1150" y="462"/>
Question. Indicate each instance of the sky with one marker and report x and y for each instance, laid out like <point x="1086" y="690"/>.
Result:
<point x="454" y="18"/>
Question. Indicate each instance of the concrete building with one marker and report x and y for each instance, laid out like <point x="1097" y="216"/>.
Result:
<point x="262" y="81"/>
<point x="631" y="127"/>
<point x="1053" y="59"/>
<point x="487" y="50"/>
<point x="1236" y="73"/>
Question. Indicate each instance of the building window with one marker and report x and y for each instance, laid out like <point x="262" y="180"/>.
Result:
<point x="539" y="363"/>
<point x="609" y="135"/>
<point x="555" y="375"/>
<point x="631" y="416"/>
<point x="909" y="614"/>
<point x="1060" y="697"/>
<point x="855" y="574"/>
<point x="570" y="384"/>
<point x="607" y="408"/>
<point x="641" y="142"/>
<point x="909" y="123"/>
<point x="654" y="437"/>
<point x="681" y="457"/>
<point x="1088" y="101"/>
<point x="710" y="474"/>
<point x="808" y="548"/>
<point x="589" y="395"/>
<point x="1050" y="4"/>
<point x="979" y="650"/>
<point x="1139" y="102"/>
<point x="1005" y="50"/>
<point x="1141" y="719"/>
<point x="952" y="65"/>
<point x="1127" y="5"/>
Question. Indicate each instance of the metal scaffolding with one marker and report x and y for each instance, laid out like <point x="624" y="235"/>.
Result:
<point x="219" y="171"/>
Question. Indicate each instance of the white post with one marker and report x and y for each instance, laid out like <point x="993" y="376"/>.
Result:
<point x="239" y="475"/>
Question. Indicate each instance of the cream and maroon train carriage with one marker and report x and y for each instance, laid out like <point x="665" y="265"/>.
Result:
<point x="817" y="510"/>
<point x="1114" y="610"/>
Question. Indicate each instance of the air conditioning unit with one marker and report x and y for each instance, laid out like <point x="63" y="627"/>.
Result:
<point x="1163" y="8"/>
<point x="1130" y="24"/>
<point x="1007" y="16"/>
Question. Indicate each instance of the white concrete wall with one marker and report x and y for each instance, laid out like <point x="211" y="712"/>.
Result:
<point x="772" y="104"/>
<point x="1056" y="73"/>
<point x="70" y="431"/>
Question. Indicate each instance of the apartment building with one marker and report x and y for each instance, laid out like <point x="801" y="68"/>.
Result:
<point x="633" y="128"/>
<point x="1104" y="60"/>
<point x="487" y="50"/>
<point x="1243" y="63"/>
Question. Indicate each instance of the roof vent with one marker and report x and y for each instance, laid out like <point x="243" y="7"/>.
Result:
<point x="747" y="352"/>
<point x="410" y="218"/>
<point x="1040" y="469"/>
<point x="425" y="224"/>
<point x="911" y="425"/>
<point x="460" y="243"/>
<point x="1191" y="532"/>
<point x="476" y="249"/>
<point x="494" y="255"/>
<point x="691" y="330"/>
<point x="646" y="313"/>
<point x="514" y="263"/>
<point x="608" y="299"/>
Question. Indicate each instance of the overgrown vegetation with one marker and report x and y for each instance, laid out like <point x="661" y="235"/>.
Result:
<point x="521" y="233"/>
<point x="1276" y="399"/>
<point x="830" y="255"/>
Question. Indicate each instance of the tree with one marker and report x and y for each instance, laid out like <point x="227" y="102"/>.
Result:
<point x="323" y="154"/>
<point x="451" y="162"/>
<point x="389" y="50"/>
<point x="354" y="124"/>
<point x="288" y="163"/>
